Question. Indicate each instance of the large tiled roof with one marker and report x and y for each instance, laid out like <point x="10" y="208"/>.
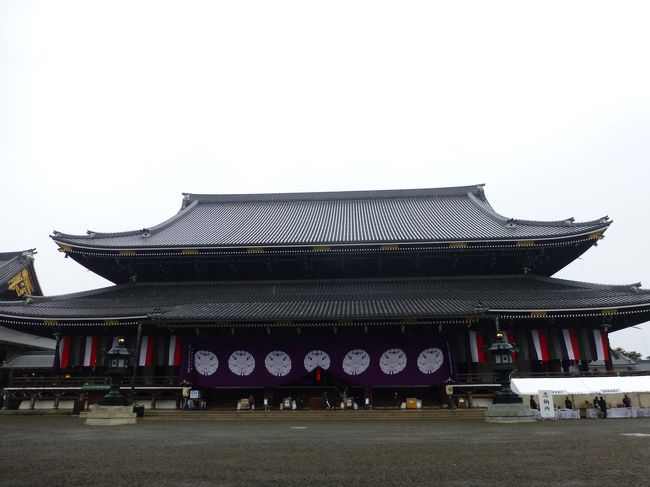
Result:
<point x="334" y="218"/>
<point x="376" y="299"/>
<point x="12" y="263"/>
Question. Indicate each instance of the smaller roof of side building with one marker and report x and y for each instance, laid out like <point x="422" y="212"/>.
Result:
<point x="17" y="274"/>
<point x="31" y="360"/>
<point x="334" y="218"/>
<point x="582" y="385"/>
<point x="527" y="296"/>
<point x="27" y="340"/>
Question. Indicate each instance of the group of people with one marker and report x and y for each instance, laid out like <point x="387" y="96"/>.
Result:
<point x="568" y="404"/>
<point x="326" y="403"/>
<point x="600" y="405"/>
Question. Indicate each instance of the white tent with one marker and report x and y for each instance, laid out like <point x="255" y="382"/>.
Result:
<point x="583" y="385"/>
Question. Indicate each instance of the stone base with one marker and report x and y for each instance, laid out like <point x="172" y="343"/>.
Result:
<point x="111" y="416"/>
<point x="509" y="413"/>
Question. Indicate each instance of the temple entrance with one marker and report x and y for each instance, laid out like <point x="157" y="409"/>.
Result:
<point x="321" y="389"/>
<point x="315" y="397"/>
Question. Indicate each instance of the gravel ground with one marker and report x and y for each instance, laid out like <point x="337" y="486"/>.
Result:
<point x="55" y="451"/>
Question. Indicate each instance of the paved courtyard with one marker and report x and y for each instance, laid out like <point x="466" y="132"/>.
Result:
<point x="61" y="450"/>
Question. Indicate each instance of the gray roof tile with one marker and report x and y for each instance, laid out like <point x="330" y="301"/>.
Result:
<point x="328" y="299"/>
<point x="362" y="217"/>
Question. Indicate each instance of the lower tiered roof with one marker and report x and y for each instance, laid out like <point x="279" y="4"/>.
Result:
<point x="331" y="301"/>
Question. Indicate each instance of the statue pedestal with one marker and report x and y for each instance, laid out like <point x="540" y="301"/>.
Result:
<point x="509" y="413"/>
<point x="111" y="416"/>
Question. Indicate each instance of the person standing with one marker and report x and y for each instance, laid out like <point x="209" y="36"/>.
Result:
<point x="567" y="403"/>
<point x="533" y="404"/>
<point x="603" y="407"/>
<point x="626" y="401"/>
<point x="324" y="402"/>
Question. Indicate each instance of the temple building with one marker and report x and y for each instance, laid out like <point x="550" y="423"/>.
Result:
<point x="375" y="293"/>
<point x="18" y="280"/>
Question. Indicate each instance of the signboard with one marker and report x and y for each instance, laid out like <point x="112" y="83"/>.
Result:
<point x="546" y="408"/>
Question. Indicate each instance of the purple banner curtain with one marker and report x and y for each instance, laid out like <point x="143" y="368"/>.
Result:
<point x="376" y="363"/>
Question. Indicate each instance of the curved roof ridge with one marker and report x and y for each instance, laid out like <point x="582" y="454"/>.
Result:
<point x="589" y="285"/>
<point x="458" y="213"/>
<point x="476" y="189"/>
<point x="144" y="232"/>
<point x="568" y="222"/>
<point x="8" y="256"/>
<point x="59" y="297"/>
<point x="484" y="206"/>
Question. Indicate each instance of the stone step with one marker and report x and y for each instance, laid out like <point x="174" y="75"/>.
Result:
<point x="464" y="414"/>
<point x="306" y="415"/>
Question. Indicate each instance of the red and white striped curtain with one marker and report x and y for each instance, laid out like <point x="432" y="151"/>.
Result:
<point x="540" y="345"/>
<point x="175" y="352"/>
<point x="160" y="350"/>
<point x="146" y="351"/>
<point x="90" y="351"/>
<point x="570" y="339"/>
<point x="64" y="352"/>
<point x="601" y="345"/>
<point x="477" y="346"/>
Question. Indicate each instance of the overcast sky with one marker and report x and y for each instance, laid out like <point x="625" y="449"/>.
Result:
<point x="110" y="110"/>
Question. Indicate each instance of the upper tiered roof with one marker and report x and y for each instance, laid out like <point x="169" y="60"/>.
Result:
<point x="334" y="219"/>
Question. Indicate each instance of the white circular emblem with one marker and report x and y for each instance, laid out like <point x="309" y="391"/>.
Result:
<point x="430" y="360"/>
<point x="205" y="362"/>
<point x="317" y="358"/>
<point x="278" y="363"/>
<point x="241" y="362"/>
<point x="392" y="361"/>
<point x="356" y="362"/>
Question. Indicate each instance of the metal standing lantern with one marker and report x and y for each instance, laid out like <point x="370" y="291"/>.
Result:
<point x="501" y="352"/>
<point x="118" y="364"/>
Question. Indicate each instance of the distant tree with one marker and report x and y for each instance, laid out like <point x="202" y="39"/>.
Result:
<point x="632" y="355"/>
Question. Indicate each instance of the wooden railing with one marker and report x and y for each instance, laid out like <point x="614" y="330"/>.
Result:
<point x="172" y="381"/>
<point x="30" y="382"/>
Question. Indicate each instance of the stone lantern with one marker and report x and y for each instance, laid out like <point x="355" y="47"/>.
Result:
<point x="501" y="353"/>
<point x="118" y="364"/>
<point x="506" y="407"/>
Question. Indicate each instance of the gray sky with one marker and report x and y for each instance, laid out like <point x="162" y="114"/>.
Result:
<point x="109" y="110"/>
